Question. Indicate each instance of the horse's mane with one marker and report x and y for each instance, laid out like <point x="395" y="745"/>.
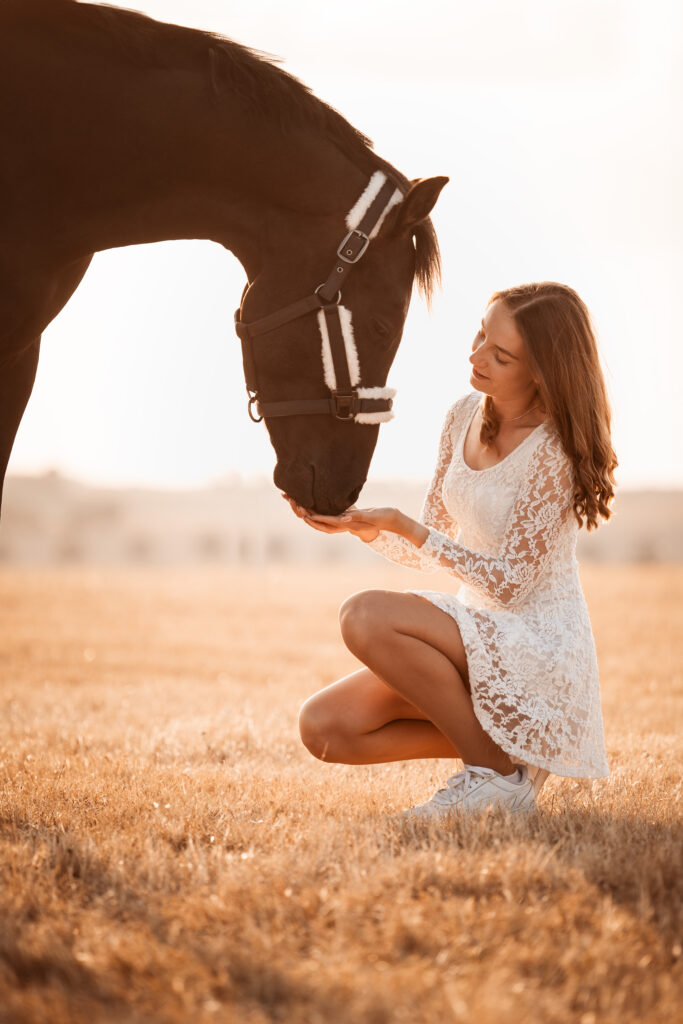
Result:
<point x="254" y="76"/>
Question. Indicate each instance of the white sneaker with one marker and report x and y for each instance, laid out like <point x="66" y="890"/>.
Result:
<point x="475" y="788"/>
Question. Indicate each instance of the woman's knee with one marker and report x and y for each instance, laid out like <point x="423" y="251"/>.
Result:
<point x="361" y="619"/>
<point x="319" y="729"/>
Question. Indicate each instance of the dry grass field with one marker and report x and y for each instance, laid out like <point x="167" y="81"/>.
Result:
<point x="169" y="852"/>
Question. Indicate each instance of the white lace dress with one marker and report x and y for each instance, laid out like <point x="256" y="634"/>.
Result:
<point x="508" y="533"/>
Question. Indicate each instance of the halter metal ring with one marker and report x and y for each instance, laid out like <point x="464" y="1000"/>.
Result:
<point x="335" y="301"/>
<point x="253" y="401"/>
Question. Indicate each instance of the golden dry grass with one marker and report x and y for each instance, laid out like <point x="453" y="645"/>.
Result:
<point x="169" y="852"/>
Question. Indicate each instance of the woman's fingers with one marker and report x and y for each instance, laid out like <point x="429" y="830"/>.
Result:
<point x="304" y="513"/>
<point x="298" y="510"/>
<point x="324" y="524"/>
<point x="348" y="522"/>
<point x="330" y="520"/>
<point x="322" y="527"/>
<point x="380" y="518"/>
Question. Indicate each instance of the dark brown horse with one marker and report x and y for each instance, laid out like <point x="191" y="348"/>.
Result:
<point x="117" y="130"/>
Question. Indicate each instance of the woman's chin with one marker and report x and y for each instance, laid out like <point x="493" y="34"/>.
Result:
<point x="479" y="384"/>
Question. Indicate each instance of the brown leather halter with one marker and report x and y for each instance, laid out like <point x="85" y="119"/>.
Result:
<point x="345" y="402"/>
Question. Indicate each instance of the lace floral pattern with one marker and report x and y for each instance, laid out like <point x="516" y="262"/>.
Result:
<point x="508" y="534"/>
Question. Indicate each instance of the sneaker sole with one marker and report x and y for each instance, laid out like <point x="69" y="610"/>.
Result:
<point x="412" y="814"/>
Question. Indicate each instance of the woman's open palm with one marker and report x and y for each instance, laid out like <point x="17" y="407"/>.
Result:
<point x="364" y="530"/>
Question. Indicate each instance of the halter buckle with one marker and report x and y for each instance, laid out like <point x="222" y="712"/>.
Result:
<point x="353" y="246"/>
<point x="344" y="404"/>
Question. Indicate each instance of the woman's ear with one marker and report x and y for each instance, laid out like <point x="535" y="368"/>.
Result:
<point x="417" y="203"/>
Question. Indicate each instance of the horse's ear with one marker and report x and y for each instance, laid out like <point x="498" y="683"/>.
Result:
<point x="417" y="203"/>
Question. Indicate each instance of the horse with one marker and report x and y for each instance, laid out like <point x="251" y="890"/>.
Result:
<point x="119" y="129"/>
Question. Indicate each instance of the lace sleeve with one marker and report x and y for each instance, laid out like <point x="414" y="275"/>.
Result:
<point x="433" y="514"/>
<point x="541" y="506"/>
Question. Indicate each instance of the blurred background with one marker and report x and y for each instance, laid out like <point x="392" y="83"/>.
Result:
<point x="559" y="124"/>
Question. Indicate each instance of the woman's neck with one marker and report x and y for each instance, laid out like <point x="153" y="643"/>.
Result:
<point x="519" y="412"/>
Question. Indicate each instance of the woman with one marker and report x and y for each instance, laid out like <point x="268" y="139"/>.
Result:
<point x="503" y="674"/>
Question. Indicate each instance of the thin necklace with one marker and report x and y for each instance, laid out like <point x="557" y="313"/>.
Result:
<point x="511" y="418"/>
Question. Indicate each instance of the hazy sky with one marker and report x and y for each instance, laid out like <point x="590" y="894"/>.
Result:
<point x="559" y="124"/>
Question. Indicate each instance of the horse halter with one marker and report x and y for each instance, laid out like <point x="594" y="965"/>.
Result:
<point x="341" y="367"/>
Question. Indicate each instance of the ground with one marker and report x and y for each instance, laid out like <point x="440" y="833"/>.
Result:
<point x="170" y="852"/>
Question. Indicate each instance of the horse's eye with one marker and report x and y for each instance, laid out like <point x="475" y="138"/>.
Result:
<point x="380" y="327"/>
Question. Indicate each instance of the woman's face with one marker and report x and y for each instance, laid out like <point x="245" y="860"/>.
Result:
<point x="499" y="361"/>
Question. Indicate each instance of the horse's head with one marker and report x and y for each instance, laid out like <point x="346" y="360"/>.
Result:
<point x="305" y="362"/>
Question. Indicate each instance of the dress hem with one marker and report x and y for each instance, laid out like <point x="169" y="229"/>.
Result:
<point x="449" y="604"/>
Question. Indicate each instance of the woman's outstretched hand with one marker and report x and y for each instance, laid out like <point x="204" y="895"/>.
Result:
<point x="364" y="523"/>
<point x="337" y="524"/>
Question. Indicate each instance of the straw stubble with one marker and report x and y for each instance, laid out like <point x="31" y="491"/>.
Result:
<point x="170" y="852"/>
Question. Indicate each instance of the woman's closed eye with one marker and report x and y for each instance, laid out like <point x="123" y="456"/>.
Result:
<point x="479" y="338"/>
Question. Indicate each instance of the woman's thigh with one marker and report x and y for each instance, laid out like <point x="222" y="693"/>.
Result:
<point x="368" y="616"/>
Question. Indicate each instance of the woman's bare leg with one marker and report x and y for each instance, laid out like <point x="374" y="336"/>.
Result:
<point x="416" y="649"/>
<point x="361" y="720"/>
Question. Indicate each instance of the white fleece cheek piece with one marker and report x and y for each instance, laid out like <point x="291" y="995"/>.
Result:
<point x="349" y="345"/>
<point x="362" y="205"/>
<point x="328" y="363"/>
<point x="353" y="219"/>
<point x="353" y="364"/>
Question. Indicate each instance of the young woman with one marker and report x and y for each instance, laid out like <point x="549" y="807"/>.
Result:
<point x="503" y="674"/>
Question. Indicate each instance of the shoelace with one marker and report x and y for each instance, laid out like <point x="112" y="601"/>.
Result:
<point x="463" y="780"/>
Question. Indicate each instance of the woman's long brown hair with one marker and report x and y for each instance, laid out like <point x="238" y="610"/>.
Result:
<point x="563" y="356"/>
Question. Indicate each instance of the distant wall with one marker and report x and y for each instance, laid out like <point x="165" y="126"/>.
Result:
<point x="52" y="520"/>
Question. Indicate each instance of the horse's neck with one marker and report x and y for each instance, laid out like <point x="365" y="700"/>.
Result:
<point x="131" y="155"/>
